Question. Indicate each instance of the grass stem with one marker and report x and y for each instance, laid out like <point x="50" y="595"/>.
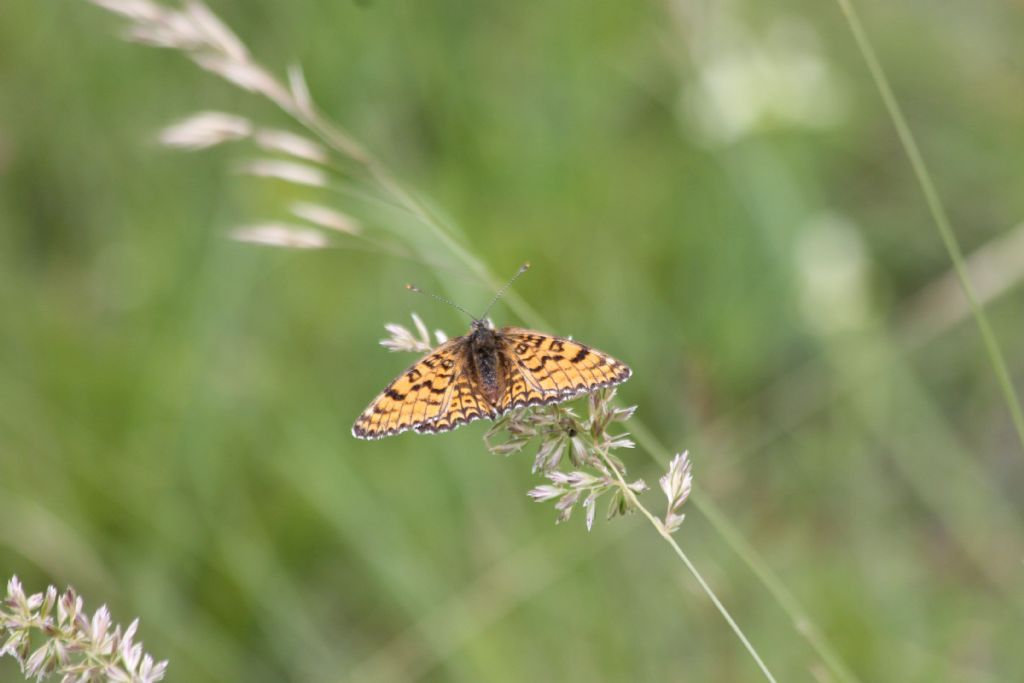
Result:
<point x="660" y="528"/>
<point x="938" y="213"/>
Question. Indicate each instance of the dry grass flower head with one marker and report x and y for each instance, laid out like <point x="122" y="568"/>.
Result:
<point x="50" y="634"/>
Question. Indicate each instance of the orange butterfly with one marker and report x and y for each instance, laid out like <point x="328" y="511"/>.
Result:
<point x="486" y="373"/>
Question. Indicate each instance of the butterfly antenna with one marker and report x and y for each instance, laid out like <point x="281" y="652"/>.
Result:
<point x="501" y="292"/>
<point x="414" y="288"/>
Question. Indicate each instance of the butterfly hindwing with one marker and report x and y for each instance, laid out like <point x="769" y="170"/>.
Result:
<point x="417" y="396"/>
<point x="466" y="405"/>
<point x="548" y="369"/>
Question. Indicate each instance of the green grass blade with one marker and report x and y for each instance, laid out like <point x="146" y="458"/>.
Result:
<point x="938" y="213"/>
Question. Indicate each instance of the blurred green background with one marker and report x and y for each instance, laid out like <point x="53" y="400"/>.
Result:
<point x="710" y="191"/>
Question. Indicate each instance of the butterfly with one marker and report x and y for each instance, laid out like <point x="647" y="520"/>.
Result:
<point x="484" y="374"/>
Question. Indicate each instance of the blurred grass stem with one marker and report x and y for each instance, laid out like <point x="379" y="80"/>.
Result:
<point x="664" y="533"/>
<point x="405" y="199"/>
<point x="938" y="213"/>
<point x="801" y="621"/>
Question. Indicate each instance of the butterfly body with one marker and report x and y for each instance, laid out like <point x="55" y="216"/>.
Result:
<point x="488" y="369"/>
<point x="484" y="374"/>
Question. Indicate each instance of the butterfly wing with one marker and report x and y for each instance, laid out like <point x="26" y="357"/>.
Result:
<point x="417" y="397"/>
<point x="465" y="405"/>
<point x="437" y="394"/>
<point x="549" y="369"/>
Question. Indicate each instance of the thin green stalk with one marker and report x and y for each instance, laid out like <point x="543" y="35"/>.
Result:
<point x="938" y="212"/>
<point x="660" y="528"/>
<point x="789" y="603"/>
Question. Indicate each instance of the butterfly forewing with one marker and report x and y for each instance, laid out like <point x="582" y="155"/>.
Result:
<point x="417" y="396"/>
<point x="548" y="369"/>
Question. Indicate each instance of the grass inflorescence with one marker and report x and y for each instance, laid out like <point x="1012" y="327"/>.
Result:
<point x="50" y="634"/>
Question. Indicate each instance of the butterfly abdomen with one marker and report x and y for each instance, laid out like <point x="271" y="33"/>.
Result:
<point x="487" y="366"/>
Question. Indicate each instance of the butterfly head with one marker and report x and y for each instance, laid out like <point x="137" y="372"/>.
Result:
<point x="482" y="333"/>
